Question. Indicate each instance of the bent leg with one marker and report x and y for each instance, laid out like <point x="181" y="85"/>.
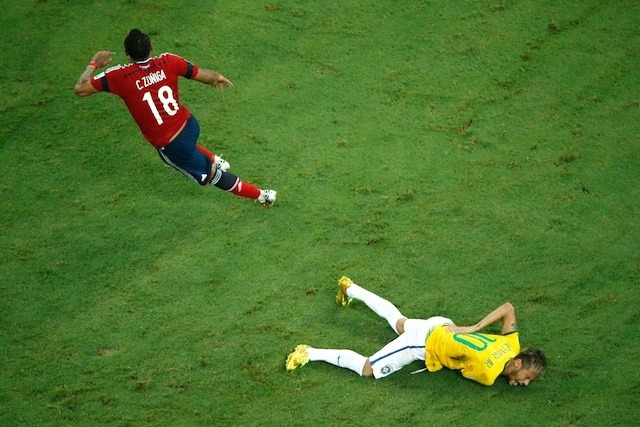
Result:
<point x="378" y="305"/>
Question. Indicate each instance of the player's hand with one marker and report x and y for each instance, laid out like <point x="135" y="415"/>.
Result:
<point x="461" y="329"/>
<point x="103" y="58"/>
<point x="221" y="82"/>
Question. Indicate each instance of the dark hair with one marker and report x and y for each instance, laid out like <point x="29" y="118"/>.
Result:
<point x="533" y="358"/>
<point x="137" y="45"/>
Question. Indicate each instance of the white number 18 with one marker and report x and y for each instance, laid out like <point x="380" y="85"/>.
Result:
<point x="165" y="96"/>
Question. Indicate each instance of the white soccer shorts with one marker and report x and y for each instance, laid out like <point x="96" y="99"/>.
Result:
<point x="407" y="348"/>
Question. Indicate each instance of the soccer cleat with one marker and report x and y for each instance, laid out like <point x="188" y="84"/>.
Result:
<point x="342" y="299"/>
<point x="220" y="163"/>
<point x="297" y="358"/>
<point x="267" y="197"/>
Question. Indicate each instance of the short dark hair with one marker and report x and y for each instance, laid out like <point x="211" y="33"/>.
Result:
<point x="137" y="45"/>
<point x="533" y="358"/>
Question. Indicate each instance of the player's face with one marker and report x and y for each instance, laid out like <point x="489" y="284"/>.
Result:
<point x="522" y="376"/>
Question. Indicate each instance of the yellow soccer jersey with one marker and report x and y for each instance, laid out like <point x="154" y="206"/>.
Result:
<point x="479" y="357"/>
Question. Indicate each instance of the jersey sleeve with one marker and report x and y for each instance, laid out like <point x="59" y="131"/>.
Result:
<point x="183" y="67"/>
<point x="192" y="71"/>
<point x="99" y="82"/>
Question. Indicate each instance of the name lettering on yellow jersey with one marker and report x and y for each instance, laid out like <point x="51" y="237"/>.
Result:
<point x="504" y="349"/>
<point x="496" y="355"/>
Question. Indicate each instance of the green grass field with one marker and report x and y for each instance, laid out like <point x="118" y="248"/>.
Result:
<point x="448" y="156"/>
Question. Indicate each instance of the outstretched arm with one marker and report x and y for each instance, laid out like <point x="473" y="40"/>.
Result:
<point x="212" y="78"/>
<point x="505" y="314"/>
<point x="83" y="86"/>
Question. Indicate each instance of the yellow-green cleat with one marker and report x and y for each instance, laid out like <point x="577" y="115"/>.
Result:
<point x="341" y="298"/>
<point x="297" y="358"/>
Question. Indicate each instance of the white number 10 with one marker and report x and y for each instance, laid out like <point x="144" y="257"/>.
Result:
<point x="165" y="96"/>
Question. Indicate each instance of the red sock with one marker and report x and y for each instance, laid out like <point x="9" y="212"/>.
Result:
<point x="244" y="189"/>
<point x="206" y="152"/>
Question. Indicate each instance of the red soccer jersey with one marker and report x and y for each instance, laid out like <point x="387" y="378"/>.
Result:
<point x="150" y="90"/>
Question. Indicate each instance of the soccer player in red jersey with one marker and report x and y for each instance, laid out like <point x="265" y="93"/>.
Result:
<point x="149" y="88"/>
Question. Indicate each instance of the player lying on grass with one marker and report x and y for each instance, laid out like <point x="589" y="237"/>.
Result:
<point x="437" y="341"/>
<point x="149" y="88"/>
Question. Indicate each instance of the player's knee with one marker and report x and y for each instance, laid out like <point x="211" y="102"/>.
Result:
<point x="400" y="325"/>
<point x="367" y="370"/>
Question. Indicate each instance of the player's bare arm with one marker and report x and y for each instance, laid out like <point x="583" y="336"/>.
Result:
<point x="83" y="86"/>
<point x="212" y="78"/>
<point x="505" y="314"/>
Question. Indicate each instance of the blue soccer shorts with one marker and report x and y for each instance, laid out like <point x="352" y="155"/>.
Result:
<point x="183" y="155"/>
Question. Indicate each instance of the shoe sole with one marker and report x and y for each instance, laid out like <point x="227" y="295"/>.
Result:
<point x="341" y="298"/>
